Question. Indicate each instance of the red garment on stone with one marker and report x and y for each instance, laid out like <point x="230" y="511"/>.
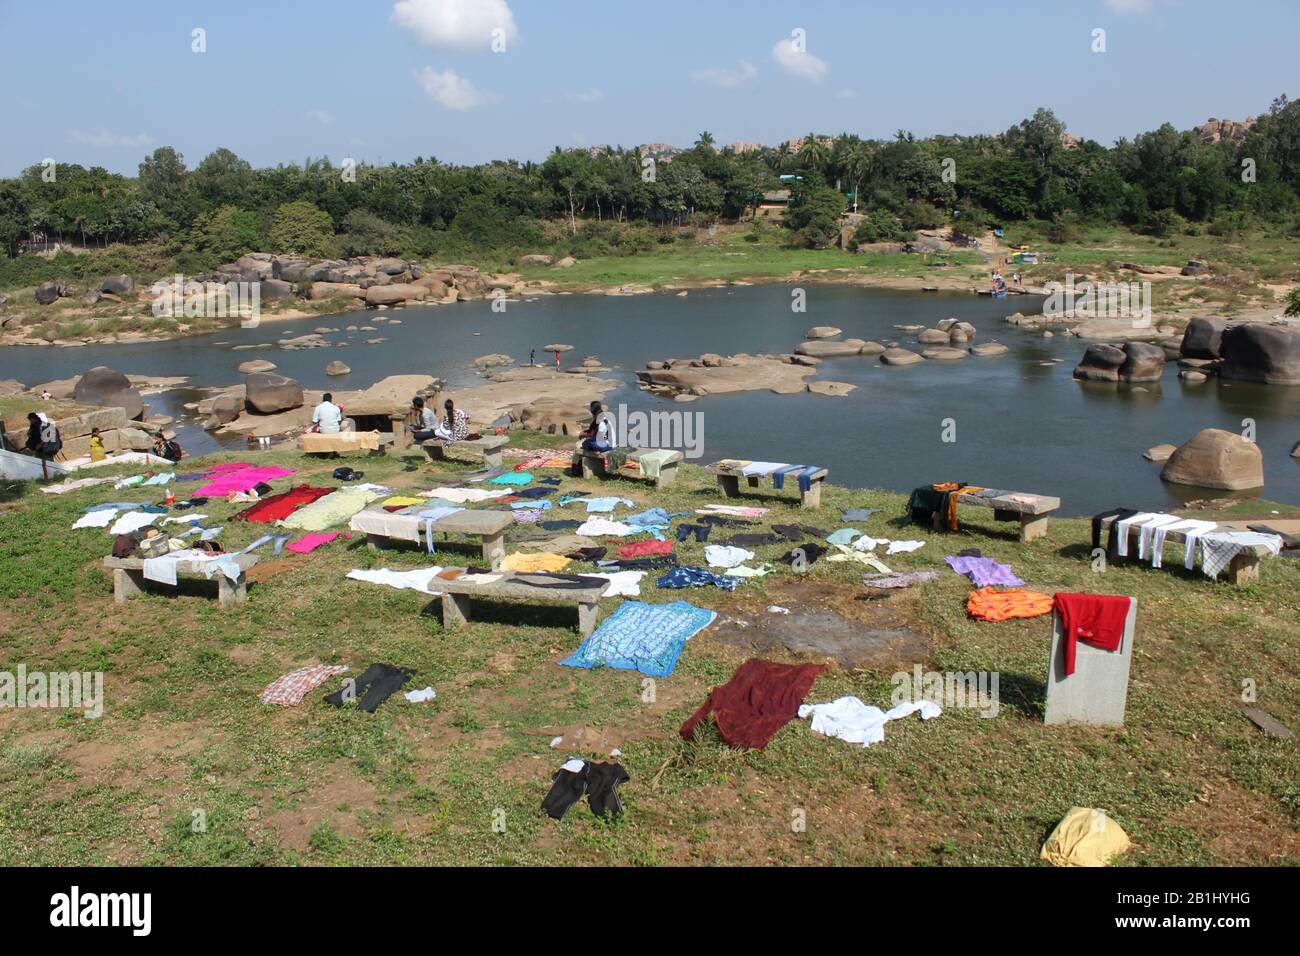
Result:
<point x="640" y="549"/>
<point x="760" y="699"/>
<point x="1096" y="619"/>
<point x="278" y="507"/>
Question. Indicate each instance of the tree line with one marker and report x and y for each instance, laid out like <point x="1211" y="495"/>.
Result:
<point x="1159" y="182"/>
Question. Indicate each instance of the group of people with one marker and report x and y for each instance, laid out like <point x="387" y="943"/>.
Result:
<point x="45" y="441"/>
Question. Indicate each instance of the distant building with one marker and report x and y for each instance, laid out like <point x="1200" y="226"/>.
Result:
<point x="739" y="148"/>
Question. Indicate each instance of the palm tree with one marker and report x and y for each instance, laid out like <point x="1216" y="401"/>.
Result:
<point x="813" y="153"/>
<point x="704" y="141"/>
<point x="858" y="163"/>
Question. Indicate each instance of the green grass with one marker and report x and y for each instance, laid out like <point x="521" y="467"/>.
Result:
<point x="184" y="737"/>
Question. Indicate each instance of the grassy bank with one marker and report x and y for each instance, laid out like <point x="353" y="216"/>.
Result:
<point x="183" y="730"/>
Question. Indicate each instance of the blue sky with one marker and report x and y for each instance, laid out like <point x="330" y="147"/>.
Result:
<point x="105" y="83"/>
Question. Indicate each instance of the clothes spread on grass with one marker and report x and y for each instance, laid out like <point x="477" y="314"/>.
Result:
<point x="1218" y="548"/>
<point x="700" y="531"/>
<point x="843" y="553"/>
<point x="988" y="604"/>
<point x="806" y="554"/>
<point x="844" y="536"/>
<point x="132" y="521"/>
<point x="543" y="561"/>
<point x="745" y="571"/>
<point x="640" y="549"/>
<point x="599" y="782"/>
<point x="725" y="556"/>
<point x="422" y="696"/>
<point x="1085" y="837"/>
<point x="598" y="505"/>
<point x="760" y="698"/>
<point x="334" y="508"/>
<point x="74" y="484"/>
<point x="692" y="577"/>
<point x="642" y="637"/>
<point x="858" y="514"/>
<point x="96" y="519"/>
<point x="984" y="571"/>
<point x="519" y="478"/>
<point x="1095" y="619"/>
<point x="278" y="507"/>
<point x="598" y="527"/>
<point x="851" y="720"/>
<point x="289" y="690"/>
<point x="310" y="542"/>
<point x="621" y="583"/>
<point x="240" y="479"/>
<point x="732" y="511"/>
<point x="898" y="580"/>
<point x="415" y="580"/>
<point x="376" y="684"/>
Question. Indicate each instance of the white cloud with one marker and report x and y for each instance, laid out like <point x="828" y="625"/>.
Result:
<point x="324" y="117"/>
<point x="588" y="96"/>
<point x="448" y="89"/>
<point x="727" y="79"/>
<point x="457" y="24"/>
<point x="104" y="137"/>
<point x="799" y="62"/>
<point x="1129" y="6"/>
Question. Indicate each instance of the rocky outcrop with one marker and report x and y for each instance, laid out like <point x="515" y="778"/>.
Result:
<point x="267" y="393"/>
<point x="823" y="332"/>
<point x="1131" y="362"/>
<point x="535" y="259"/>
<point x="47" y="293"/>
<point x="1203" y="338"/>
<point x="835" y="389"/>
<point x="256" y="365"/>
<point x="829" y="348"/>
<point x="1196" y="267"/>
<point x="1215" y="458"/>
<point x="108" y="387"/>
<point x="117" y="285"/>
<point x="1216" y="130"/>
<point x="735" y="373"/>
<point x="900" y="357"/>
<point x="395" y="294"/>
<point x="988" y="350"/>
<point x="1255" y="352"/>
<point x="493" y="360"/>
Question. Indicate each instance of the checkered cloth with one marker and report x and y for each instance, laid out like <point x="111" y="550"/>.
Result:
<point x="1218" y="548"/>
<point x="289" y="690"/>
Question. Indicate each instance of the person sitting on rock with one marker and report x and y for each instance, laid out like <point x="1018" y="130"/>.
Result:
<point x="454" y="427"/>
<point x="168" y="448"/>
<point x="328" y="417"/>
<point x="599" y="435"/>
<point x="425" y="422"/>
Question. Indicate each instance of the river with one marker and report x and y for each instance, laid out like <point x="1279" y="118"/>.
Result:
<point x="1019" y="421"/>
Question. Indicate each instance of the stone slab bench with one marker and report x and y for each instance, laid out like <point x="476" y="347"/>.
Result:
<point x="129" y="580"/>
<point x="729" y="474"/>
<point x="336" y="443"/>
<point x="488" y="526"/>
<point x="1032" y="514"/>
<point x="1242" y="569"/>
<point x="489" y="447"/>
<point x="595" y="464"/>
<point x="458" y="594"/>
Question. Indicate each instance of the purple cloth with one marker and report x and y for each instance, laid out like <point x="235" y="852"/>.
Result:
<point x="984" y="571"/>
<point x="241" y="480"/>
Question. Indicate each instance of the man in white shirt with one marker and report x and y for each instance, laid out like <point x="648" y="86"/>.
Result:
<point x="328" y="417"/>
<point x="599" y="435"/>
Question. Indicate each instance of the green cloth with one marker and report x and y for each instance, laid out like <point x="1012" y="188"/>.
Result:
<point x="652" y="461"/>
<point x="334" y="508"/>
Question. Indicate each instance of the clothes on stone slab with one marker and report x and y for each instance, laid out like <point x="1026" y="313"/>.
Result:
<point x="984" y="571"/>
<point x="1218" y="548"/>
<point x="988" y="604"/>
<point x="1084" y="837"/>
<point x="701" y="532"/>
<point x="1121" y="529"/>
<point x="289" y="690"/>
<point x="1112" y="541"/>
<point x="642" y="637"/>
<point x="808" y="553"/>
<point x="310" y="542"/>
<point x="1191" y="528"/>
<point x="759" y="468"/>
<point x="760" y="698"/>
<point x="242" y="479"/>
<point x="640" y="549"/>
<point x="850" y="720"/>
<point x="861" y="557"/>
<point x="1147" y="530"/>
<point x="162" y="570"/>
<point x="543" y="561"/>
<point x="1095" y="619"/>
<point x="844" y="536"/>
<point x="858" y="514"/>
<point x="726" y="556"/>
<point x="621" y="583"/>
<point x="464" y="495"/>
<point x="375" y="685"/>
<point x="804" y="476"/>
<point x="693" y="577"/>
<point x="417" y="579"/>
<point x="132" y="521"/>
<point x="334" y="508"/>
<point x="897" y="580"/>
<point x="653" y="461"/>
<point x="597" y="527"/>
<point x="794" y="532"/>
<point x="779" y="473"/>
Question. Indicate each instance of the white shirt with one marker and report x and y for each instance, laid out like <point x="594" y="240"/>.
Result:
<point x="328" y="416"/>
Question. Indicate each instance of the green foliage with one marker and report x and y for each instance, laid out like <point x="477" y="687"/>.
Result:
<point x="302" y="228"/>
<point x="814" y="214"/>
<point x="1293" y="302"/>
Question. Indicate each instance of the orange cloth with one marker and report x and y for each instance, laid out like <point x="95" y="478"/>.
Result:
<point x="990" y="605"/>
<point x="952" y="498"/>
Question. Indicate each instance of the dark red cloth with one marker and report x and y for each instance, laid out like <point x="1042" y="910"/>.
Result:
<point x="760" y="699"/>
<point x="639" y="549"/>
<point x="278" y="507"/>
<point x="1095" y="619"/>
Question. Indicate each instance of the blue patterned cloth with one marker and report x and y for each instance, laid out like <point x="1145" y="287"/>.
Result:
<point x="642" y="637"/>
<point x="692" y="577"/>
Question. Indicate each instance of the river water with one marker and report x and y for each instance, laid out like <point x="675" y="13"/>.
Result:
<point x="1019" y="421"/>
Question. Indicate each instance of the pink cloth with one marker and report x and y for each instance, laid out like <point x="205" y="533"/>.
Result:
<point x="240" y="480"/>
<point x="228" y="466"/>
<point x="310" y="542"/>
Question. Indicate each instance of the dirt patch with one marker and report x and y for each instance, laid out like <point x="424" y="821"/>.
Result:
<point x="337" y="798"/>
<point x="1243" y="828"/>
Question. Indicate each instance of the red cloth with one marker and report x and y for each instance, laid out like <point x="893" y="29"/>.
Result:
<point x="1095" y="619"/>
<point x="639" y="549"/>
<point x="760" y="699"/>
<point x="278" y="507"/>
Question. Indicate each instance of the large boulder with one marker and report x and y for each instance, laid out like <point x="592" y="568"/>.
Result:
<point x="48" y="292"/>
<point x="272" y="290"/>
<point x="822" y="332"/>
<point x="828" y="348"/>
<point x="897" y="356"/>
<point x="117" y="285"/>
<point x="110" y="388"/>
<point x="933" y="337"/>
<point x="291" y="268"/>
<point x="1255" y="352"/>
<point x="337" y="368"/>
<point x="1215" y="458"/>
<point x="1203" y="338"/>
<point x="256" y="365"/>
<point x="267" y="393"/>
<point x="395" y="294"/>
<point x="1101" y="363"/>
<point x="536" y="259"/>
<point x="328" y="290"/>
<point x="1144" y="362"/>
<point x="988" y="350"/>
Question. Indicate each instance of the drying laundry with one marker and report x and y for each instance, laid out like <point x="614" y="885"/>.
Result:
<point x="805" y="554"/>
<point x="735" y="511"/>
<point x="186" y="519"/>
<point x="760" y="468"/>
<point x="599" y="505"/>
<point x="289" y="690"/>
<point x="543" y="561"/>
<point x="335" y="508"/>
<point x="462" y="495"/>
<point x="640" y="549"/>
<point x="597" y="527"/>
<point x="1191" y="530"/>
<point x="904" y="547"/>
<point x="598" y="781"/>
<point x="1085" y="837"/>
<point x="376" y="684"/>
<point x="851" y="720"/>
<point x="844" y="536"/>
<point x="861" y="557"/>
<point x="984" y="571"/>
<point x="745" y="571"/>
<point x="642" y="637"/>
<point x="1218" y="548"/>
<point x="896" y="581"/>
<point x="621" y="583"/>
<point x="421" y="696"/>
<point x="1095" y="619"/>
<point x="242" y="479"/>
<point x="724" y="556"/>
<point x="416" y="580"/>
<point x="1147" y="530"/>
<point x="760" y="698"/>
<point x="858" y="514"/>
<point x="1121" y="530"/>
<point x="310" y="542"/>
<point x="132" y="521"/>
<point x="519" y="478"/>
<point x="653" y="461"/>
<point x="96" y="519"/>
<point x="986" y="604"/>
<point x="700" y="531"/>
<point x="691" y="577"/>
<point x="74" y="484"/>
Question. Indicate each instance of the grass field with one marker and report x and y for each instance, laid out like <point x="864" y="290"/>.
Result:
<point x="184" y="738"/>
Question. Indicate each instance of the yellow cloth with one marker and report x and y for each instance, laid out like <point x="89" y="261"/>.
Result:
<point x="97" y="452"/>
<point x="320" y="442"/>
<point x="1085" y="837"/>
<point x="544" y="561"/>
<point x="398" y="501"/>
